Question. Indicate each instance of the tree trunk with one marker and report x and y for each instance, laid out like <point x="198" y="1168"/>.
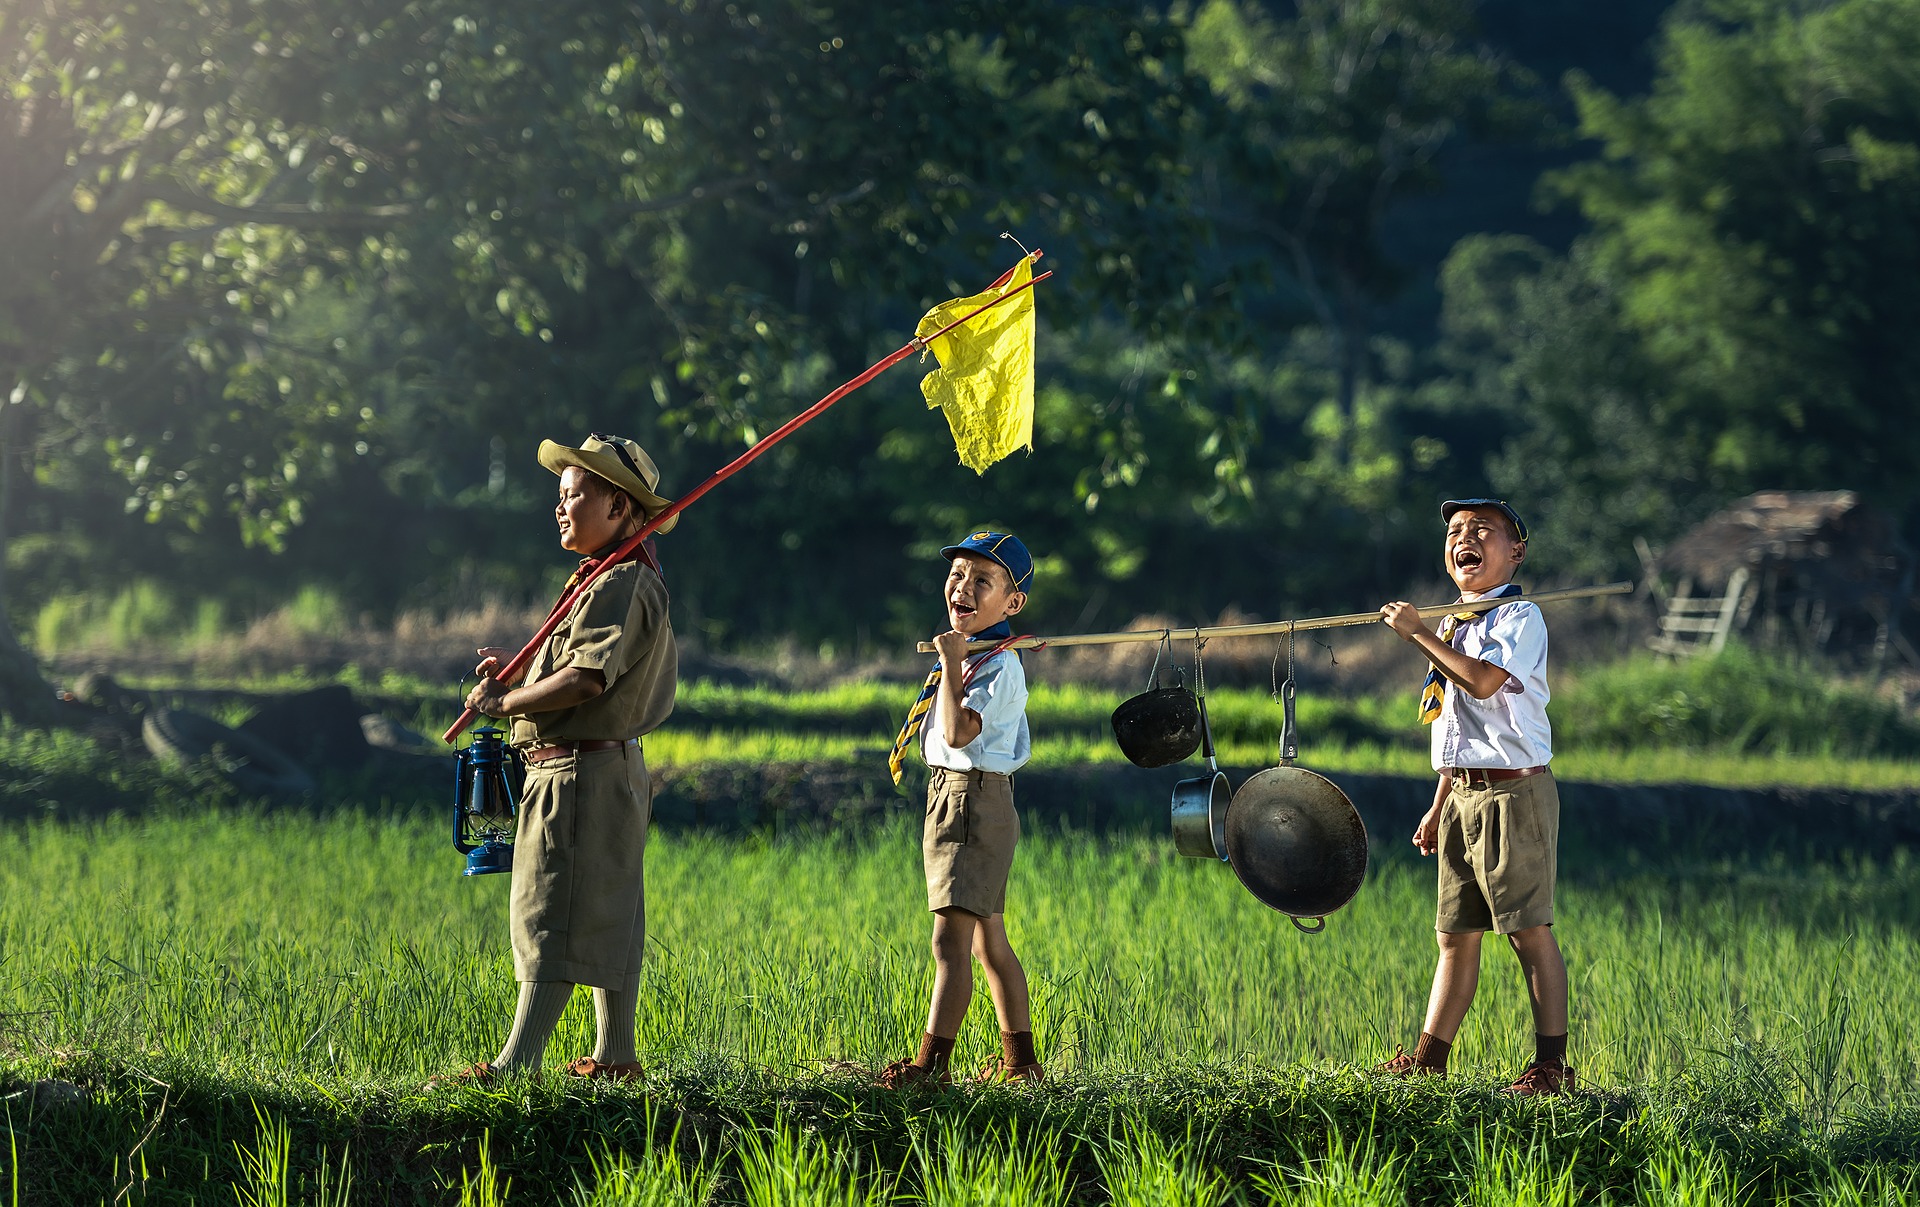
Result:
<point x="25" y="694"/>
<point x="1352" y="338"/>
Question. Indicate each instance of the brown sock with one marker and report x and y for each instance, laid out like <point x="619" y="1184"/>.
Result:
<point x="1550" y="1050"/>
<point x="1430" y="1052"/>
<point x="1016" y="1048"/>
<point x="934" y="1051"/>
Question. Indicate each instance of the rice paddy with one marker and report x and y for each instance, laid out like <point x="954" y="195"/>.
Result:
<point x="319" y="969"/>
<point x="207" y="1001"/>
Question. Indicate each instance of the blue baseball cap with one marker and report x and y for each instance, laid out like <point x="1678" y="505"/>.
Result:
<point x="1452" y="505"/>
<point x="1000" y="547"/>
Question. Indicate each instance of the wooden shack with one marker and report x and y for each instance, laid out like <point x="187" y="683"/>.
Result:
<point x="1820" y="571"/>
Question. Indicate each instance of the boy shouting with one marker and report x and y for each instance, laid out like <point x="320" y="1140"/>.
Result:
<point x="606" y="677"/>
<point x="971" y="722"/>
<point x="1495" y="820"/>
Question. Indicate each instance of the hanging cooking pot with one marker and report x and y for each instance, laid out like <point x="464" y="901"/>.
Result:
<point x="1200" y="805"/>
<point x="1161" y="725"/>
<point x="1293" y="838"/>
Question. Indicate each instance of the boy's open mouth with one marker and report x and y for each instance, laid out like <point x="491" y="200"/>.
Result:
<point x="960" y="609"/>
<point x="1468" y="559"/>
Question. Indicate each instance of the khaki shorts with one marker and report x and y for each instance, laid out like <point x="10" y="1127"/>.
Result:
<point x="1497" y="855"/>
<point x="579" y="910"/>
<point x="967" y="840"/>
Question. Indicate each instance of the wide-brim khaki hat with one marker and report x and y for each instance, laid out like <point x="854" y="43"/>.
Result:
<point x="619" y="461"/>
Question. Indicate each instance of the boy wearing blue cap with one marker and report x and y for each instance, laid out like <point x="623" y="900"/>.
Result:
<point x="1495" y="820"/>
<point x="971" y="724"/>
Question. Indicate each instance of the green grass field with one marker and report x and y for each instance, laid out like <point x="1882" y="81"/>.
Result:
<point x="250" y="1000"/>
<point x="1742" y="1025"/>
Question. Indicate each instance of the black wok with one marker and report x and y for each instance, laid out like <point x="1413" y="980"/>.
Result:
<point x="1294" y="839"/>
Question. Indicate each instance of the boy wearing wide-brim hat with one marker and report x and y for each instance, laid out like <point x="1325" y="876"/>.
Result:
<point x="1495" y="820"/>
<point x="605" y="678"/>
<point x="970" y="723"/>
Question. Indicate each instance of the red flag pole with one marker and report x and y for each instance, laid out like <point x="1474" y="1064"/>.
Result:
<point x="514" y="668"/>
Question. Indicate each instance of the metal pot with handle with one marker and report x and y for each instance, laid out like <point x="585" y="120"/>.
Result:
<point x="1160" y="726"/>
<point x="1200" y="804"/>
<point x="1292" y="837"/>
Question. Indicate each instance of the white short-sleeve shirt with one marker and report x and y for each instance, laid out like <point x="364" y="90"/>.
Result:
<point x="1508" y="729"/>
<point x="999" y="694"/>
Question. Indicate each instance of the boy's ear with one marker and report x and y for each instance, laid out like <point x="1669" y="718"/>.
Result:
<point x="1015" y="602"/>
<point x="1520" y="551"/>
<point x="620" y="501"/>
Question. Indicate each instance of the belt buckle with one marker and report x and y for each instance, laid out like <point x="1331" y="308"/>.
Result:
<point x="1471" y="773"/>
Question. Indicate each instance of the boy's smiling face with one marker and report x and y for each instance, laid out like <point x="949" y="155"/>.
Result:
<point x="591" y="513"/>
<point x="979" y="593"/>
<point x="1483" y="550"/>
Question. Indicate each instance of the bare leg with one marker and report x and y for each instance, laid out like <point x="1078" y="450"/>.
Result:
<point x="953" y="931"/>
<point x="1546" y="973"/>
<point x="1006" y="979"/>
<point x="1456" y="976"/>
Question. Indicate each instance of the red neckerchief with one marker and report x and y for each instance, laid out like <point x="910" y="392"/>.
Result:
<point x="643" y="552"/>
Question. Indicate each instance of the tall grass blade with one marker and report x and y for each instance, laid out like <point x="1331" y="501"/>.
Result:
<point x="1140" y="1169"/>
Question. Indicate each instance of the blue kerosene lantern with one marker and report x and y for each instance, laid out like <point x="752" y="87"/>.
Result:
<point x="484" y="810"/>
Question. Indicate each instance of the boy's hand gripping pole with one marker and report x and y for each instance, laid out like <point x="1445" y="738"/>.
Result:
<point x="518" y="664"/>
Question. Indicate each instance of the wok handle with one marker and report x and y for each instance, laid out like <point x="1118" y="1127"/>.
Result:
<point x="1319" y="924"/>
<point x="1289" y="746"/>
<point x="1206" y="736"/>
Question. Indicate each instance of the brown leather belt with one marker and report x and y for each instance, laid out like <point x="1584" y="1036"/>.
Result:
<point x="1488" y="775"/>
<point x="562" y="749"/>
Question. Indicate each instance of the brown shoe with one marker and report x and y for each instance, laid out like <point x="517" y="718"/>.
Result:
<point x="904" y="1073"/>
<point x="1543" y="1080"/>
<point x="998" y="1070"/>
<point x="1402" y="1064"/>
<point x="479" y="1072"/>
<point x="592" y="1070"/>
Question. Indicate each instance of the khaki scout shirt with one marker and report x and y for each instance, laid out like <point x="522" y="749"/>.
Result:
<point x="617" y="627"/>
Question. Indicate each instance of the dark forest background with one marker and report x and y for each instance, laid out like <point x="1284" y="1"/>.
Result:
<point x="293" y="288"/>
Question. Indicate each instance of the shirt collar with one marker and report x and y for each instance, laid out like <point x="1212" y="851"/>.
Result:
<point x="1499" y="592"/>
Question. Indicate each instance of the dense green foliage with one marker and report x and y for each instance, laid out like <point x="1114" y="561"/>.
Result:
<point x="1734" y="316"/>
<point x="1736" y="701"/>
<point x="189" y="972"/>
<point x="286" y="275"/>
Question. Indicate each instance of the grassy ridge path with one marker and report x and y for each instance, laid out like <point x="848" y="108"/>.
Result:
<point x="1176" y="1135"/>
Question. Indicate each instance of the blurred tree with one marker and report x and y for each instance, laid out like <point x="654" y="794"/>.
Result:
<point x="249" y="246"/>
<point x="1346" y="105"/>
<point x="1740" y="316"/>
<point x="174" y="174"/>
<point x="718" y="213"/>
<point x="1538" y="340"/>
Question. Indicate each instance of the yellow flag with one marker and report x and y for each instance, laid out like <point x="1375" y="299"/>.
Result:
<point x="985" y="379"/>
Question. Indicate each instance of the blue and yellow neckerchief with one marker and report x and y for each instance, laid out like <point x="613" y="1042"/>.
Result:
<point x="917" y="715"/>
<point x="1434" y="690"/>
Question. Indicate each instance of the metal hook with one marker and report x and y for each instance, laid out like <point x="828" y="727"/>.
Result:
<point x="1016" y="242"/>
<point x="1164" y="646"/>
<point x="1273" y="672"/>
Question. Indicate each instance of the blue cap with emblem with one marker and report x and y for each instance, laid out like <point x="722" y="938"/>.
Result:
<point x="998" y="547"/>
<point x="1501" y="505"/>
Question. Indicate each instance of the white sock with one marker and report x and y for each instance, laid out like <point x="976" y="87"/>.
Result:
<point x="534" y="1018"/>
<point x="613" y="1015"/>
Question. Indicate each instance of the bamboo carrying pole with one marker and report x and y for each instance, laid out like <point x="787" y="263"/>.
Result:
<point x="1271" y="627"/>
<point x="517" y="666"/>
